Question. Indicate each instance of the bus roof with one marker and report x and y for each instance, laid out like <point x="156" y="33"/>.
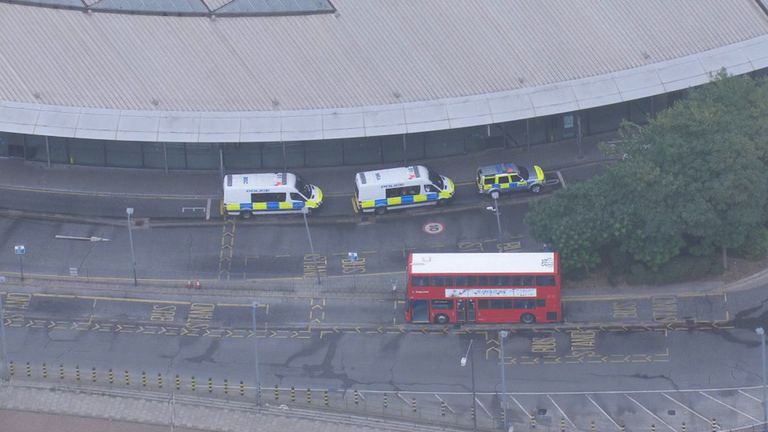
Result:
<point x="391" y="175"/>
<point x="260" y="180"/>
<point x="480" y="263"/>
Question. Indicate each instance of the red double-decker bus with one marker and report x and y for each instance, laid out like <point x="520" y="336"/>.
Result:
<point x="483" y="288"/>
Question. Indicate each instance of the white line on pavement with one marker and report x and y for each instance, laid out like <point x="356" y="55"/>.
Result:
<point x="602" y="411"/>
<point x="650" y="413"/>
<point x="690" y="410"/>
<point x="728" y="406"/>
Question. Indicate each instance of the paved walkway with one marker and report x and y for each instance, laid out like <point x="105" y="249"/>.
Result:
<point x="31" y="407"/>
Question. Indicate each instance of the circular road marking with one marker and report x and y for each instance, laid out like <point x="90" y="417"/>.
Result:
<point x="433" y="228"/>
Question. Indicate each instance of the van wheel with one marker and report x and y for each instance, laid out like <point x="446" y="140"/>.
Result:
<point x="441" y="319"/>
<point x="527" y="318"/>
<point x="536" y="188"/>
<point x="380" y="210"/>
<point x="246" y="214"/>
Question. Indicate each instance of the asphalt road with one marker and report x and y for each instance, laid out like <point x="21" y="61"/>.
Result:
<point x="639" y="345"/>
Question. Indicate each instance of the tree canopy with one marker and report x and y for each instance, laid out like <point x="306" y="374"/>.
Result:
<point x="693" y="180"/>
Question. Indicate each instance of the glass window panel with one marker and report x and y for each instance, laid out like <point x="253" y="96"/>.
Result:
<point x="177" y="156"/>
<point x="34" y="148"/>
<point x="420" y="281"/>
<point x="59" y="151"/>
<point x="272" y="155"/>
<point x="86" y="152"/>
<point x="242" y="156"/>
<point x="362" y="151"/>
<point x="324" y="153"/>
<point x="392" y="147"/>
<point x="202" y="156"/>
<point x="545" y="280"/>
<point x="443" y="143"/>
<point x="442" y="304"/>
<point x="154" y="156"/>
<point x="124" y="154"/>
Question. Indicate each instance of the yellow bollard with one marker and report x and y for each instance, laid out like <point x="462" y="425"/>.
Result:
<point x="12" y="368"/>
<point x="293" y="394"/>
<point x="194" y="383"/>
<point x="442" y="409"/>
<point x="277" y="393"/>
<point x="309" y="396"/>
<point x="111" y="377"/>
<point x="562" y="425"/>
<point x="226" y="386"/>
<point x="684" y="429"/>
<point x="413" y="405"/>
<point x="159" y="381"/>
<point x="44" y="370"/>
<point x="61" y="371"/>
<point x="77" y="373"/>
<point x="242" y="389"/>
<point x="29" y="370"/>
<point x="325" y="398"/>
<point x="143" y="379"/>
<point x="357" y="397"/>
<point x="127" y="378"/>
<point x="386" y="400"/>
<point x="93" y="374"/>
<point x="210" y="385"/>
<point x="178" y="382"/>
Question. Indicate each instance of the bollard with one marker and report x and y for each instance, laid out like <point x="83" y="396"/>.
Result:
<point x="592" y="425"/>
<point x="562" y="425"/>
<point x="44" y="370"/>
<point x="386" y="401"/>
<point x="93" y="374"/>
<point x="242" y="389"/>
<point x="653" y="427"/>
<point x="325" y="398"/>
<point x="12" y="368"/>
<point x="111" y="377"/>
<point x="621" y="427"/>
<point x="503" y="414"/>
<point x="29" y="370"/>
<point x="226" y="386"/>
<point x="77" y="373"/>
<point x="293" y="394"/>
<point x="194" y="383"/>
<point x="442" y="409"/>
<point x="713" y="424"/>
<point x="472" y="411"/>
<point x="143" y="379"/>
<point x="159" y="381"/>
<point x="61" y="371"/>
<point x="127" y="378"/>
<point x="309" y="396"/>
<point x="413" y="405"/>
<point x="357" y="397"/>
<point x="533" y="422"/>
<point x="178" y="383"/>
<point x="684" y="429"/>
<point x="277" y="393"/>
<point x="210" y="385"/>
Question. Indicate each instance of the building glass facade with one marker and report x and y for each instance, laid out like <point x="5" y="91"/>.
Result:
<point x="353" y="151"/>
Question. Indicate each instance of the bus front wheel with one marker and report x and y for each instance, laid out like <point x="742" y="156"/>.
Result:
<point x="528" y="319"/>
<point x="441" y="319"/>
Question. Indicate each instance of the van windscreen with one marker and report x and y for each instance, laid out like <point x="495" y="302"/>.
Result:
<point x="436" y="179"/>
<point x="303" y="188"/>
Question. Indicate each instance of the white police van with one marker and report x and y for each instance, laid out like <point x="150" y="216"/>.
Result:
<point x="377" y="191"/>
<point x="268" y="193"/>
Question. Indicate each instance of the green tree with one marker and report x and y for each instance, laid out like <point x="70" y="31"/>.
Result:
<point x="693" y="180"/>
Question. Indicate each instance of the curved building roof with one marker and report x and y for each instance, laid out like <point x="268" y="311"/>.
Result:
<point x="374" y="67"/>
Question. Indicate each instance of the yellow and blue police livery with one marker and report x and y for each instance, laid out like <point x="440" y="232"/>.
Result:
<point x="412" y="186"/>
<point x="267" y="193"/>
<point x="507" y="177"/>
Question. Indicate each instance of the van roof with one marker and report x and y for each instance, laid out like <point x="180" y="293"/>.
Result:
<point x="260" y="180"/>
<point x="391" y="175"/>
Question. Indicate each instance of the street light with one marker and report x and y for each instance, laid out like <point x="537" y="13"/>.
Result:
<point x="463" y="363"/>
<point x="503" y="334"/>
<point x="495" y="209"/>
<point x="254" y="305"/>
<point x="129" y="212"/>
<point x="761" y="333"/>
<point x="305" y="211"/>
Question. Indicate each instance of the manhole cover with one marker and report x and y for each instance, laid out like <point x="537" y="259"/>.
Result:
<point x="433" y="228"/>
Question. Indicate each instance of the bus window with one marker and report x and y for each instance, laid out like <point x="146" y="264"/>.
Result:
<point x="420" y="281"/>
<point x="540" y="303"/>
<point x="442" y="281"/>
<point x="545" y="280"/>
<point x="442" y="304"/>
<point x="527" y="281"/>
<point x="525" y="304"/>
<point x="484" y="304"/>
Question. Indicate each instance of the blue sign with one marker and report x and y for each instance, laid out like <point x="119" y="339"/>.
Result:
<point x="19" y="249"/>
<point x="352" y="256"/>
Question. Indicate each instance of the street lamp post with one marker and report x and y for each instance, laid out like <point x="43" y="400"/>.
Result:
<point x="254" y="305"/>
<point x="129" y="212"/>
<point x="760" y="331"/>
<point x="495" y="209"/>
<point x="463" y="363"/>
<point x="305" y="211"/>
<point x="4" y="375"/>
<point x="503" y="334"/>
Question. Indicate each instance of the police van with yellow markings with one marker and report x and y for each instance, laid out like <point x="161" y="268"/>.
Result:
<point x="508" y="177"/>
<point x="377" y="191"/>
<point x="269" y="193"/>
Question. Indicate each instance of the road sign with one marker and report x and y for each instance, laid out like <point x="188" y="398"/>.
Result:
<point x="352" y="256"/>
<point x="19" y="249"/>
<point x="433" y="228"/>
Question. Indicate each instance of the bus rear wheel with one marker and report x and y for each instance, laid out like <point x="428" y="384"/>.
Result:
<point x="441" y="319"/>
<point x="527" y="318"/>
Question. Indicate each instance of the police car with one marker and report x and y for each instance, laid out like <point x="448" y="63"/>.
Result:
<point x="508" y="177"/>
